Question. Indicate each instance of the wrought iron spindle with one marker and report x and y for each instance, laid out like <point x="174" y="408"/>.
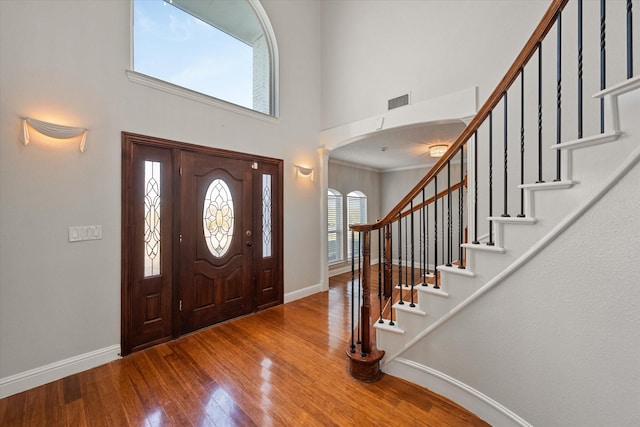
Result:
<point x="390" y="231"/>
<point x="559" y="94"/>
<point x="352" y="348"/>
<point x="521" y="214"/>
<point x="406" y="251"/>
<point x="490" y="242"/>
<point x="359" y="283"/>
<point x="629" y="39"/>
<point x="449" y="222"/>
<point x="540" y="180"/>
<point x="475" y="188"/>
<point x="425" y="238"/>
<point x="580" y="64"/>
<point x="381" y="258"/>
<point x="435" y="229"/>
<point x="603" y="58"/>
<point x="413" y="266"/>
<point x="444" y="237"/>
<point x="461" y="210"/>
<point x="401" y="302"/>
<point x="506" y="155"/>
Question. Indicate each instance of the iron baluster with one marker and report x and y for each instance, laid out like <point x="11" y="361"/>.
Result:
<point x="521" y="214"/>
<point x="413" y="266"/>
<point x="461" y="209"/>
<point x="603" y="58"/>
<point x="449" y="222"/>
<point x="475" y="188"/>
<point x="629" y="39"/>
<point x="540" y="180"/>
<point x="401" y="302"/>
<point x="390" y="230"/>
<point x="559" y="95"/>
<point x="580" y="64"/>
<point x="490" y="242"/>
<point x="435" y="229"/>
<point x="425" y="233"/>
<point x="381" y="258"/>
<point x="506" y="155"/>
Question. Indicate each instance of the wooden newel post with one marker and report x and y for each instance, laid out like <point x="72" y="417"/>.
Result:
<point x="365" y="310"/>
<point x="364" y="365"/>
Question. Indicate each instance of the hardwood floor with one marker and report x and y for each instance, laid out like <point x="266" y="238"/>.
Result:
<point x="285" y="366"/>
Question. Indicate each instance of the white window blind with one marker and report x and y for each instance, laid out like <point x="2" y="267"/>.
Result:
<point x="334" y="226"/>
<point x="356" y="214"/>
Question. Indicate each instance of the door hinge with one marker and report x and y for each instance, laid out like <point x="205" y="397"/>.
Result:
<point x="180" y="170"/>
<point x="180" y="237"/>
<point x="180" y="306"/>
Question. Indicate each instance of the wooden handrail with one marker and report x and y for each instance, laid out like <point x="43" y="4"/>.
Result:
<point x="441" y="195"/>
<point x="522" y="59"/>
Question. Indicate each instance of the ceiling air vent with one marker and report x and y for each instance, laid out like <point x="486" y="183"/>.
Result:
<point x="400" y="101"/>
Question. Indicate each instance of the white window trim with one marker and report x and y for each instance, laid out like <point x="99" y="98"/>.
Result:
<point x="152" y="82"/>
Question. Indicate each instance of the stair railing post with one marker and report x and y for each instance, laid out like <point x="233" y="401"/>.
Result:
<point x="365" y="315"/>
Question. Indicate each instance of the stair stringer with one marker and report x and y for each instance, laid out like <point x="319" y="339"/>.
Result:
<point x="440" y="382"/>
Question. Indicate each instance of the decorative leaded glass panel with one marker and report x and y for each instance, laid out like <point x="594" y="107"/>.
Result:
<point x="266" y="215"/>
<point x="218" y="218"/>
<point x="151" y="218"/>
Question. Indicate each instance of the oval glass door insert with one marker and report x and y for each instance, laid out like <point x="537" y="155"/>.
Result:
<point x="218" y="218"/>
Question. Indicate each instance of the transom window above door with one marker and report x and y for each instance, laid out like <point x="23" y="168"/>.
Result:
<point x="220" y="48"/>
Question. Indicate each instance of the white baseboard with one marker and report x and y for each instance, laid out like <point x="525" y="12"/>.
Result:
<point x="301" y="293"/>
<point x="471" y="399"/>
<point x="54" y="371"/>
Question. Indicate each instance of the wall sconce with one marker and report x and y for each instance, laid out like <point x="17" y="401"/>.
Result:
<point x="438" y="150"/>
<point x="305" y="172"/>
<point x="53" y="130"/>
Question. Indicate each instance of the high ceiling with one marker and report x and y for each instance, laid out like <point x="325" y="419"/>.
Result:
<point x="399" y="148"/>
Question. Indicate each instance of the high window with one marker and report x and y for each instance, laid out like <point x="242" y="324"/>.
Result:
<point x="219" y="48"/>
<point x="334" y="229"/>
<point x="356" y="214"/>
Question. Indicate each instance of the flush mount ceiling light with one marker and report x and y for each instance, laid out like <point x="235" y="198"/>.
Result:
<point x="438" y="150"/>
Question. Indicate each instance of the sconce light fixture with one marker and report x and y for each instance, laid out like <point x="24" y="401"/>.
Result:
<point x="438" y="150"/>
<point x="53" y="130"/>
<point x="306" y="172"/>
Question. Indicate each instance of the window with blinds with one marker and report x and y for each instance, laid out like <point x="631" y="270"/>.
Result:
<point x="334" y="227"/>
<point x="356" y="214"/>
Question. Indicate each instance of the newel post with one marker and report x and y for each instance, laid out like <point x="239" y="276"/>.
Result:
<point x="364" y="362"/>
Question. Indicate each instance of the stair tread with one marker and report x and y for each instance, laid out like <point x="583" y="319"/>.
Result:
<point x="553" y="185"/>
<point x="455" y="270"/>
<point x="406" y="307"/>
<point x="483" y="247"/>
<point x="512" y="219"/>
<point x="432" y="290"/>
<point x="385" y="326"/>
<point x="620" y="88"/>
<point x="588" y="141"/>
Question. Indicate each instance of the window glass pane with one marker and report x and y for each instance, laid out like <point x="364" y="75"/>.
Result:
<point x="356" y="214"/>
<point x="215" y="47"/>
<point x="334" y="226"/>
<point x="266" y="215"/>
<point x="218" y="218"/>
<point x="151" y="218"/>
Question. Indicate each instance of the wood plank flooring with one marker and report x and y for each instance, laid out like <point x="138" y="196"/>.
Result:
<point x="285" y="366"/>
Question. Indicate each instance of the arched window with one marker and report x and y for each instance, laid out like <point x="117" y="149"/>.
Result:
<point x="334" y="228"/>
<point x="219" y="48"/>
<point x="356" y="214"/>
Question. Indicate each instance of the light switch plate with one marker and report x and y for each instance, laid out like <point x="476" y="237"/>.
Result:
<point x="78" y="233"/>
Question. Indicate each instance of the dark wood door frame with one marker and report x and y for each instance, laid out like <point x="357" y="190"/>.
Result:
<point x="265" y="294"/>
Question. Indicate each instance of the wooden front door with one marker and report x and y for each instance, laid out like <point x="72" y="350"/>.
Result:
<point x="217" y="240"/>
<point x="201" y="237"/>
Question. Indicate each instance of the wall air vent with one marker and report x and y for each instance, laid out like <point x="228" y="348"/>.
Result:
<point x="399" y="101"/>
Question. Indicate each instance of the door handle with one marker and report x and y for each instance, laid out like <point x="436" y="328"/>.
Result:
<point x="249" y="243"/>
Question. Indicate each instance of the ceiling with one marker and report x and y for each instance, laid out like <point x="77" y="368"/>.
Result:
<point x="399" y="148"/>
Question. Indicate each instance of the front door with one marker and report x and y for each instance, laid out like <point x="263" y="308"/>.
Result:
<point x="216" y="240"/>
<point x="202" y="237"/>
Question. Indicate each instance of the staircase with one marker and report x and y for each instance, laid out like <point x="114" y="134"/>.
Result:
<point x="542" y="177"/>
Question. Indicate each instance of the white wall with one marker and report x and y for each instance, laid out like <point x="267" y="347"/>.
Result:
<point x="65" y="61"/>
<point x="557" y="343"/>
<point x="376" y="50"/>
